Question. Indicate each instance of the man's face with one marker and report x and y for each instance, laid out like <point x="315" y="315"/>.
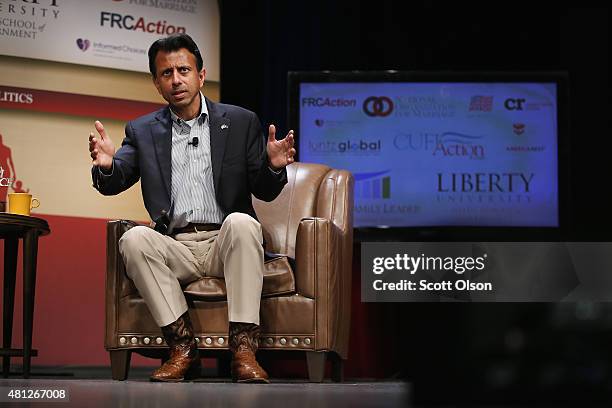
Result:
<point x="177" y="78"/>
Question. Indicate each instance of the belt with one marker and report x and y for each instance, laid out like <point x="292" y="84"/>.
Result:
<point x="195" y="227"/>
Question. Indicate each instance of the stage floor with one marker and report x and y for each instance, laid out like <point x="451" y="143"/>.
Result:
<point x="92" y="387"/>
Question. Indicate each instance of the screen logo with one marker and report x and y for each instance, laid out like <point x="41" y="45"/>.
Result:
<point x="378" y="106"/>
<point x="481" y="103"/>
<point x="334" y="123"/>
<point x="484" y="182"/>
<point x="447" y="144"/>
<point x="329" y="102"/>
<point x="518" y="128"/>
<point x="471" y="151"/>
<point x="375" y="185"/>
<point x="513" y="104"/>
<point x="346" y="146"/>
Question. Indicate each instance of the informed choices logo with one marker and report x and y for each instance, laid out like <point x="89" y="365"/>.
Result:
<point x="83" y="44"/>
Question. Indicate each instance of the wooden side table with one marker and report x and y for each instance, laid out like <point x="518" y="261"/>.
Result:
<point x="12" y="228"/>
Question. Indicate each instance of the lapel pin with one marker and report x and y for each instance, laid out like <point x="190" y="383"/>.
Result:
<point x="224" y="126"/>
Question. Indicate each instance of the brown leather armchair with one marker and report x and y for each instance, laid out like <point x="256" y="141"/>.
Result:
<point x="306" y="295"/>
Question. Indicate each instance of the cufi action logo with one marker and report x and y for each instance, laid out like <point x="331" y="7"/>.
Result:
<point x="378" y="106"/>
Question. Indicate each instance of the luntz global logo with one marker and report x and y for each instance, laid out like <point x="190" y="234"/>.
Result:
<point x="362" y="147"/>
<point x="83" y="44"/>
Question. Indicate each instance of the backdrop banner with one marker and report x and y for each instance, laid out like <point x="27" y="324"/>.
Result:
<point x="107" y="33"/>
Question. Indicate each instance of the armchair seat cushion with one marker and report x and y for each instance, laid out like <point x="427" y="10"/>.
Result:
<point x="278" y="280"/>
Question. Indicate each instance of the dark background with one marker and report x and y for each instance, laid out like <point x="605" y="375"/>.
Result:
<point x="453" y="352"/>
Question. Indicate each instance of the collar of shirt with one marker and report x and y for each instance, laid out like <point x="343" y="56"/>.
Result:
<point x="179" y="124"/>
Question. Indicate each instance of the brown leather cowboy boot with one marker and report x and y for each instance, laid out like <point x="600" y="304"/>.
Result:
<point x="184" y="361"/>
<point x="243" y="343"/>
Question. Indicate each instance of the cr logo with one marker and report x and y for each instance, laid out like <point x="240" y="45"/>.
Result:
<point x="378" y="106"/>
<point x="514" y="104"/>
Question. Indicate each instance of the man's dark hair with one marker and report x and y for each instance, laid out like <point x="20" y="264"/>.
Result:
<point x="174" y="43"/>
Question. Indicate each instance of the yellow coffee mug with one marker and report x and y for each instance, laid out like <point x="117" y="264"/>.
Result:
<point x="21" y="203"/>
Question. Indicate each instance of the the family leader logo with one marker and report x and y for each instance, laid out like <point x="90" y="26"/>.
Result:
<point x="378" y="106"/>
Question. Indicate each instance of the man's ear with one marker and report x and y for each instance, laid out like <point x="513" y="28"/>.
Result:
<point x="201" y="76"/>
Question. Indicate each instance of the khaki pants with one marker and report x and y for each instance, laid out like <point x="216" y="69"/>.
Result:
<point x="159" y="265"/>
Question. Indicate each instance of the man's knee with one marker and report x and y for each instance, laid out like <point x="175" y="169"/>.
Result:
<point x="242" y="226"/>
<point x="135" y="239"/>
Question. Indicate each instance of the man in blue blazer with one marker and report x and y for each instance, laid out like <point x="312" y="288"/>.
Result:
<point x="198" y="162"/>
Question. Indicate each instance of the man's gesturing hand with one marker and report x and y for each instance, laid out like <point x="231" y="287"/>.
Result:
<point x="280" y="152"/>
<point x="101" y="149"/>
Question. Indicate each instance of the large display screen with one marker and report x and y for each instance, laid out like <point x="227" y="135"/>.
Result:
<point x="482" y="154"/>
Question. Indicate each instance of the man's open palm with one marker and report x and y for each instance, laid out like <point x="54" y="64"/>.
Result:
<point x="280" y="152"/>
<point x="101" y="148"/>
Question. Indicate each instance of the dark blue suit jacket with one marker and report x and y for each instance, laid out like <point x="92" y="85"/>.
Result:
<point x="239" y="161"/>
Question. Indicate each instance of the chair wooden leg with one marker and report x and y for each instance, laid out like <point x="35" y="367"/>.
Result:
<point x="315" y="361"/>
<point x="120" y="363"/>
<point x="337" y="373"/>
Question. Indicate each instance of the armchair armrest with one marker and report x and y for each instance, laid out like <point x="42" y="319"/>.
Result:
<point x="115" y="277"/>
<point x="323" y="272"/>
